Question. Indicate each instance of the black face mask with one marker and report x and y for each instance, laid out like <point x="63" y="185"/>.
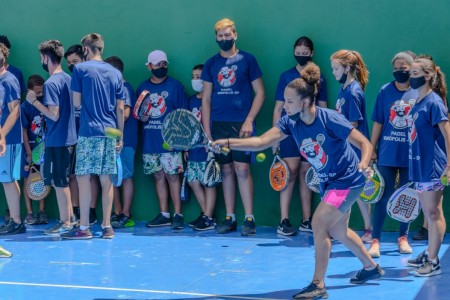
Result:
<point x="401" y="76"/>
<point x="70" y="68"/>
<point x="295" y="117"/>
<point x="343" y="78"/>
<point x="160" y="73"/>
<point x="303" y="59"/>
<point x="45" y="67"/>
<point x="416" y="83"/>
<point x="225" y="45"/>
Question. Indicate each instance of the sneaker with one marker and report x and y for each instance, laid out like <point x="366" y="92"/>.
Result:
<point x="204" y="224"/>
<point x="42" y="217"/>
<point x="65" y="228"/>
<point x="305" y="226"/>
<point x="178" y="222"/>
<point x="123" y="222"/>
<point x="114" y="217"/>
<point x="249" y="227"/>
<point x="198" y="220"/>
<point x="421" y="234"/>
<point x="227" y="226"/>
<point x="428" y="268"/>
<point x="4" y="253"/>
<point x="367" y="236"/>
<point x="77" y="234"/>
<point x="403" y="245"/>
<point x="54" y="229"/>
<point x="363" y="275"/>
<point x="31" y="219"/>
<point x="107" y="233"/>
<point x="13" y="228"/>
<point x="374" y="249"/>
<point x="92" y="216"/>
<point x="159" y="220"/>
<point x="312" y="291"/>
<point x="419" y="260"/>
<point x="285" y="228"/>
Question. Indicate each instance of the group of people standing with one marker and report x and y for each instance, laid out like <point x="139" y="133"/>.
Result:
<point x="410" y="114"/>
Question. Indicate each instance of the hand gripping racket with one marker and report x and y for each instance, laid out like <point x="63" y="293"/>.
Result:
<point x="182" y="131"/>
<point x="373" y="188"/>
<point x="36" y="189"/>
<point x="404" y="205"/>
<point x="143" y="106"/>
<point x="212" y="175"/>
<point x="278" y="174"/>
<point x="312" y="180"/>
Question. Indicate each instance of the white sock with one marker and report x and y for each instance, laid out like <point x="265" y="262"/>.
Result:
<point x="434" y="261"/>
<point x="83" y="227"/>
<point x="177" y="214"/>
<point x="103" y="227"/>
<point x="166" y="214"/>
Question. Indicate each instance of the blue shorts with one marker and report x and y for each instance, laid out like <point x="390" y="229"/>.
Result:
<point x="10" y="163"/>
<point x="289" y="148"/>
<point x="127" y="157"/>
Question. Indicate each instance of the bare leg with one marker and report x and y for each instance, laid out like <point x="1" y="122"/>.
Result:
<point x="25" y="196"/>
<point x="432" y="208"/>
<point x="95" y="182"/>
<point x="116" y="201"/>
<point x="128" y="194"/>
<point x="293" y="164"/>
<point x="200" y="194"/>
<point x="64" y="203"/>
<point x="74" y="194"/>
<point x="84" y="185"/>
<point x="229" y="187"/>
<point x="107" y="198"/>
<point x="211" y="195"/>
<point x="305" y="192"/>
<point x="365" y="212"/>
<point x="12" y="193"/>
<point x="245" y="182"/>
<point x="162" y="191"/>
<point x="175" y="191"/>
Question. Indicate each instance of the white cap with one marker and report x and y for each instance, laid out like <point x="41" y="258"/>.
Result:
<point x="156" y="57"/>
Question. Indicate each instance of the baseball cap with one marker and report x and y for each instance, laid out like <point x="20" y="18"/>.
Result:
<point x="156" y="57"/>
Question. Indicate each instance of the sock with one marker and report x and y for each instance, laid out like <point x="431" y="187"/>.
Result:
<point x="177" y="214"/>
<point x="434" y="261"/>
<point x="103" y="227"/>
<point x="83" y="227"/>
<point x="426" y="252"/>
<point x="166" y="214"/>
<point x="250" y="216"/>
<point x="233" y="216"/>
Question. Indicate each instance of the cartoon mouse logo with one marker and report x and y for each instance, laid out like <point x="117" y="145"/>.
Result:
<point x="227" y="76"/>
<point x="36" y="125"/>
<point x="197" y="113"/>
<point x="312" y="151"/>
<point x="398" y="114"/>
<point x="158" y="104"/>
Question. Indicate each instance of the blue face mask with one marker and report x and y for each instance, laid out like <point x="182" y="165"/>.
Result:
<point x="417" y="82"/>
<point x="225" y="45"/>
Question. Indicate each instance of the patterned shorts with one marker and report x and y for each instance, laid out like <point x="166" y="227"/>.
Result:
<point x="96" y="155"/>
<point x="171" y="163"/>
<point x="431" y="186"/>
<point x="195" y="170"/>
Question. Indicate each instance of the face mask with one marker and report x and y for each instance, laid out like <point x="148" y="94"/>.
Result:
<point x="45" y="67"/>
<point x="295" y="117"/>
<point x="343" y="78"/>
<point x="417" y="82"/>
<point x="70" y="68"/>
<point x="160" y="73"/>
<point x="303" y="59"/>
<point x="226" y="45"/>
<point x="401" y="76"/>
<point x="197" y="85"/>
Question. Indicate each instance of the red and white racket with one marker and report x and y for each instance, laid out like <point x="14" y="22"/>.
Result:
<point x="143" y="106"/>
<point x="404" y="204"/>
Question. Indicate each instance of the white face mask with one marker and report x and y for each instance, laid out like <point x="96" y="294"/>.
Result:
<point x="197" y="85"/>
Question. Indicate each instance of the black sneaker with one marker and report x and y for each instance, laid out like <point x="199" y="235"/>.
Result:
<point x="364" y="275"/>
<point x="285" y="228"/>
<point x="159" y="220"/>
<point x="428" y="268"/>
<point x="312" y="291"/>
<point x="227" y="226"/>
<point x="198" y="220"/>
<point x="92" y="216"/>
<point x="419" y="260"/>
<point x="178" y="222"/>
<point x="421" y="234"/>
<point x="13" y="228"/>
<point x="204" y="224"/>
<point x="123" y="222"/>
<point x="115" y="217"/>
<point x="249" y="227"/>
<point x="305" y="226"/>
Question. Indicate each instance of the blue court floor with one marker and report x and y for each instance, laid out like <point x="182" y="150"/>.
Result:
<point x="143" y="263"/>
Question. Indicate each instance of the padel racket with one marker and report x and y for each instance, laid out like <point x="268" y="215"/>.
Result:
<point x="373" y="188"/>
<point x="185" y="188"/>
<point x="278" y="174"/>
<point x="113" y="133"/>
<point x="212" y="175"/>
<point x="36" y="189"/>
<point x="182" y="131"/>
<point x="37" y="154"/>
<point x="312" y="180"/>
<point x="404" y="204"/>
<point x="143" y="106"/>
<point x="117" y="178"/>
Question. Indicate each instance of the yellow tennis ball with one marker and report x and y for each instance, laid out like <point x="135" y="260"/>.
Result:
<point x="165" y="146"/>
<point x="260" y="157"/>
<point x="444" y="180"/>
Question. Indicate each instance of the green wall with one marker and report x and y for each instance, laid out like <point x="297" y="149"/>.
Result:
<point x="268" y="29"/>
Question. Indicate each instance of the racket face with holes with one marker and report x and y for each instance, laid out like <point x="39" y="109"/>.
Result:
<point x="143" y="106"/>
<point x="212" y="175"/>
<point x="404" y="204"/>
<point x="373" y="188"/>
<point x="36" y="189"/>
<point x="278" y="174"/>
<point x="312" y="180"/>
<point x="182" y="131"/>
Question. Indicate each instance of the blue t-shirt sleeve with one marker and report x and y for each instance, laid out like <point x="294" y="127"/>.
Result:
<point x="120" y="90"/>
<point x="183" y="98"/>
<point x="206" y="73"/>
<point x="355" y="100"/>
<point x="323" y="94"/>
<point x="51" y="95"/>
<point x="254" y="69"/>
<point x="284" y="126"/>
<point x="127" y="97"/>
<point x="377" y="114"/>
<point x="75" y="83"/>
<point x="438" y="112"/>
<point x="12" y="92"/>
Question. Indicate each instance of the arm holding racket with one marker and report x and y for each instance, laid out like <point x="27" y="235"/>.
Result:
<point x="359" y="140"/>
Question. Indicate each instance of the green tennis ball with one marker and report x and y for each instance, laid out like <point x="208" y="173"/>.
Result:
<point x="444" y="180"/>
<point x="260" y="157"/>
<point x="165" y="146"/>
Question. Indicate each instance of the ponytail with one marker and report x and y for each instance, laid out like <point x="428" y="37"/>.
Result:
<point x="357" y="66"/>
<point x="437" y="81"/>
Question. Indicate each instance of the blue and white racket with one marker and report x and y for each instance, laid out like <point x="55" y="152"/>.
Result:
<point x="117" y="178"/>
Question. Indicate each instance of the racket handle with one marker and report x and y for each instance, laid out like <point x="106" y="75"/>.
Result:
<point x="224" y="150"/>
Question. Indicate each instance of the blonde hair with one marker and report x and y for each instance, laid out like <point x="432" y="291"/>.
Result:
<point x="357" y="66"/>
<point x="224" y="23"/>
<point x="94" y="41"/>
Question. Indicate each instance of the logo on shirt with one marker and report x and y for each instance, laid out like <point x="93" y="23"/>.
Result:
<point x="36" y="125"/>
<point x="227" y="76"/>
<point x="339" y="104"/>
<point x="398" y="116"/>
<point x="197" y="113"/>
<point x="158" y="104"/>
<point x="412" y="131"/>
<point x="312" y="151"/>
